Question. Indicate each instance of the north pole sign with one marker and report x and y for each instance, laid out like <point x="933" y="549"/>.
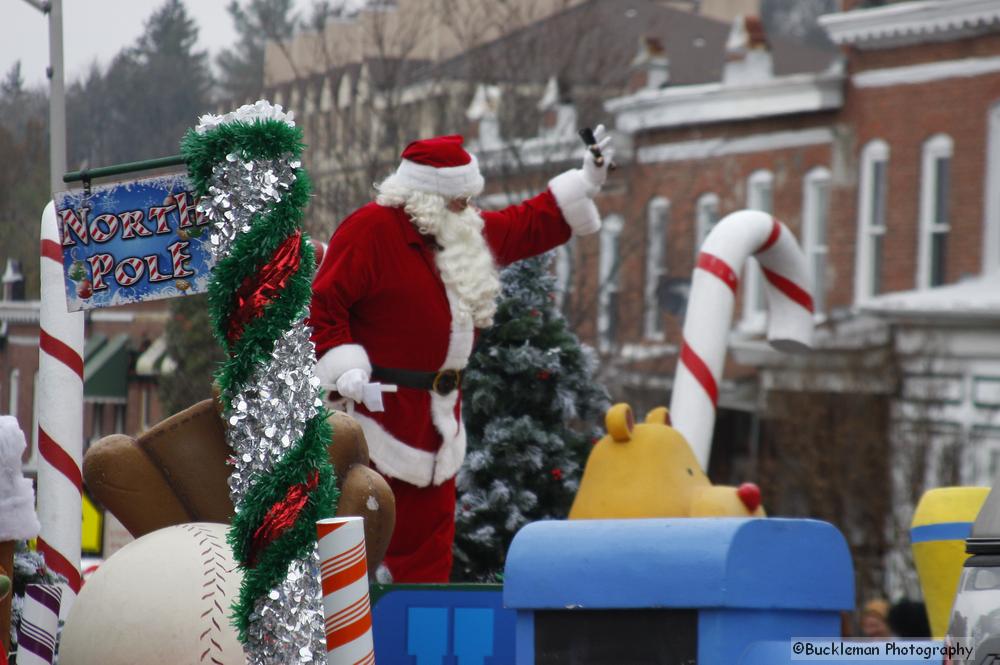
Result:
<point x="132" y="241"/>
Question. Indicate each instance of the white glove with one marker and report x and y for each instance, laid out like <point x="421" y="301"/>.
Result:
<point x="595" y="175"/>
<point x="351" y="384"/>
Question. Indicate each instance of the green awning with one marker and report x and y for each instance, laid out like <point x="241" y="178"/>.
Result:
<point x="105" y="369"/>
<point x="155" y="361"/>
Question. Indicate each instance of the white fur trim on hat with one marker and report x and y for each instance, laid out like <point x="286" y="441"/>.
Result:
<point x="339" y="359"/>
<point x="573" y="195"/>
<point x="450" y="181"/>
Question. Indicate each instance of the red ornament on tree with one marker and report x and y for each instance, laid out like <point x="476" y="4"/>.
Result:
<point x="535" y="313"/>
<point x="544" y="374"/>
<point x="557" y="473"/>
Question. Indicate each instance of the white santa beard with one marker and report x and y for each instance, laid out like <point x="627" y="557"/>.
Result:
<point x="466" y="265"/>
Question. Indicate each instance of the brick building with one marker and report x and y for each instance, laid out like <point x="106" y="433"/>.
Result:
<point x="881" y="156"/>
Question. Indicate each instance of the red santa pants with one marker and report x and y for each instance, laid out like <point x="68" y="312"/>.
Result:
<point x="420" y="548"/>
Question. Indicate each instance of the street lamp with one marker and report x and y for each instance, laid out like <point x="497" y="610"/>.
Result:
<point x="57" y="93"/>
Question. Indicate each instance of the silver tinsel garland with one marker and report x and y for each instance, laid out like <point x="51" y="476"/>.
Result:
<point x="268" y="415"/>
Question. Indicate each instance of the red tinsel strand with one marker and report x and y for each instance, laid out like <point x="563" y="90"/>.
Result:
<point x="282" y="516"/>
<point x="258" y="290"/>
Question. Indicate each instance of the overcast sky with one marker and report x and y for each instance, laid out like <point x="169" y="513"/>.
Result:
<point x="97" y="29"/>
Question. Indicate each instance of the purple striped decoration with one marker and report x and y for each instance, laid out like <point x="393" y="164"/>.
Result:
<point x="36" y="637"/>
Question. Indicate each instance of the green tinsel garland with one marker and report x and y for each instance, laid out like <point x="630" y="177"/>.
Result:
<point x="265" y="139"/>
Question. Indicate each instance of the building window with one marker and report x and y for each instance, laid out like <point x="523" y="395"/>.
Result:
<point x="145" y="408"/>
<point x="760" y="196"/>
<point x="96" y="421"/>
<point x="609" y="274"/>
<point x="657" y="220"/>
<point x="872" y="196"/>
<point x="564" y="271"/>
<point x="815" y="215"/>
<point x="119" y="418"/>
<point x="31" y="462"/>
<point x="707" y="216"/>
<point x="934" y="215"/>
<point x="15" y="381"/>
<point x="991" y="215"/>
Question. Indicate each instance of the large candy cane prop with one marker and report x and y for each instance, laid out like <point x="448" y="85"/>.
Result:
<point x="710" y="313"/>
<point x="346" y="606"/>
<point x="60" y="416"/>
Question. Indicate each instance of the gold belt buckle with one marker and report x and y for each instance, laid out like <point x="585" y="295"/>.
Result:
<point x="446" y="381"/>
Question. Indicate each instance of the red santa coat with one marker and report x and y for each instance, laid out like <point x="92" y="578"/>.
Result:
<point x="378" y="299"/>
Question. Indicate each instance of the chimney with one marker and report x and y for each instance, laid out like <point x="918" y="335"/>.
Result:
<point x="748" y="55"/>
<point x="650" y="67"/>
<point x="13" y="281"/>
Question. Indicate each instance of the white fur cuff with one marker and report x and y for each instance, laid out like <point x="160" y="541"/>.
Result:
<point x="19" y="520"/>
<point x="573" y="195"/>
<point x="339" y="359"/>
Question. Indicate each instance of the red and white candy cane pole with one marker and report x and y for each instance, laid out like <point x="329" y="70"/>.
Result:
<point x="60" y="416"/>
<point x="346" y="606"/>
<point x="734" y="239"/>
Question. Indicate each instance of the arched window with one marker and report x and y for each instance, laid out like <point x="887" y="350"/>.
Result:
<point x="991" y="208"/>
<point x="707" y="216"/>
<point x="872" y="197"/>
<point x="815" y="215"/>
<point x="13" y="392"/>
<point x="760" y="196"/>
<point x="935" y="220"/>
<point x="564" y="271"/>
<point x="608" y="286"/>
<point x="657" y="222"/>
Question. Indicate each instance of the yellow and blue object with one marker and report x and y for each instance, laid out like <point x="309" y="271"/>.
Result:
<point x="941" y="522"/>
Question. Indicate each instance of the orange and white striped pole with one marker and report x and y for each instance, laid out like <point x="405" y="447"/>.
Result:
<point x="60" y="416"/>
<point x="736" y="238"/>
<point x="346" y="606"/>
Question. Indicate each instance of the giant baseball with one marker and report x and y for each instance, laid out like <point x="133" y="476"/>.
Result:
<point x="163" y="599"/>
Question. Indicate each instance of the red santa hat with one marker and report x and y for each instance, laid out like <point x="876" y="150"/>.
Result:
<point x="440" y="166"/>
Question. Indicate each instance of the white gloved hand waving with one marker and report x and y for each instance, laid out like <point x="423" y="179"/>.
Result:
<point x="595" y="175"/>
<point x="351" y="384"/>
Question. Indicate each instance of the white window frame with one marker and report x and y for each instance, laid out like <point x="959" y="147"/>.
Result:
<point x="754" y="318"/>
<point x="657" y="224"/>
<point x="706" y="217"/>
<point x="984" y="447"/>
<point x="96" y="421"/>
<point x="865" y="279"/>
<point x="14" y="392"/>
<point x="32" y="462"/>
<point x="991" y="204"/>
<point x="815" y="231"/>
<point x="939" y="146"/>
<point x="564" y="271"/>
<point x="609" y="276"/>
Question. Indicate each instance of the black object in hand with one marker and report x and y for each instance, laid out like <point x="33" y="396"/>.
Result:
<point x="589" y="140"/>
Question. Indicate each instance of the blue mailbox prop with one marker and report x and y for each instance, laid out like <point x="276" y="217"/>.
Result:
<point x="673" y="590"/>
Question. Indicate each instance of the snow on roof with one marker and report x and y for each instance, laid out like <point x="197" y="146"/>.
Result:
<point x="974" y="298"/>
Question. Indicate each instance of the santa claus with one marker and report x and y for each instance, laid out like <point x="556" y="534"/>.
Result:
<point x="404" y="285"/>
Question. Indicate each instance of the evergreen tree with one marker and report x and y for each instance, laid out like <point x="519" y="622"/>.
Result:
<point x="191" y="345"/>
<point x="256" y="21"/>
<point x="151" y="94"/>
<point x="531" y="408"/>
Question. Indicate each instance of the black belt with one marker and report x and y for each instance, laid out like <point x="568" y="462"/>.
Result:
<point x="442" y="383"/>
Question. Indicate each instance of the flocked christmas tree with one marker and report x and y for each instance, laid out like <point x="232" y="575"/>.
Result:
<point x="531" y="408"/>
